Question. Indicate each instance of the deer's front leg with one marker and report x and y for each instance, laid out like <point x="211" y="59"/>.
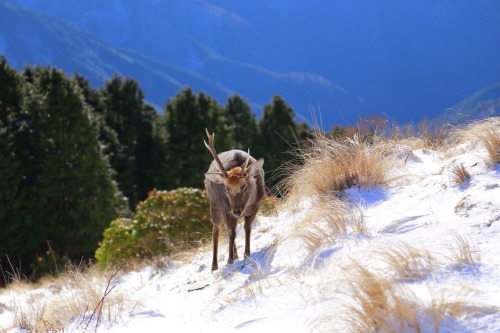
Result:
<point x="231" y="235"/>
<point x="235" y="251"/>
<point x="248" y="230"/>
<point x="217" y="221"/>
<point x="215" y="240"/>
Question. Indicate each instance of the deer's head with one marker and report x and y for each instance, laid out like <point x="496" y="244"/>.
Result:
<point x="240" y="184"/>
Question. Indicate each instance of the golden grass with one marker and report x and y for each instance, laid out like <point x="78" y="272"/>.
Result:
<point x="407" y="262"/>
<point x="372" y="303"/>
<point x="422" y="135"/>
<point x="486" y="132"/>
<point x="462" y="252"/>
<point x="329" y="221"/>
<point x="86" y="293"/>
<point x="459" y="175"/>
<point x="448" y="304"/>
<point x="329" y="166"/>
<point x="365" y="301"/>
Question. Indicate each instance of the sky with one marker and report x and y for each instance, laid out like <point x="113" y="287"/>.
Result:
<point x="407" y="60"/>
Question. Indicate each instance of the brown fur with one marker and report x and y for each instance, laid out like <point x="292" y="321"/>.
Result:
<point x="234" y="182"/>
<point x="230" y="200"/>
<point x="235" y="178"/>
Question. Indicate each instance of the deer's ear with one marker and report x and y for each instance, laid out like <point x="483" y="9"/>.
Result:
<point x="256" y="167"/>
<point x="215" y="177"/>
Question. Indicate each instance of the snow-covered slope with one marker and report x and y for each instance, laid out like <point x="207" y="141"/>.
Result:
<point x="421" y="255"/>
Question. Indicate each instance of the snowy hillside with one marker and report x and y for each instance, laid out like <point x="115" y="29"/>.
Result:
<point x="420" y="254"/>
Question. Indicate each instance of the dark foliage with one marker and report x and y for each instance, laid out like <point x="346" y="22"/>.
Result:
<point x="185" y="119"/>
<point x="73" y="156"/>
<point x="60" y="194"/>
<point x="278" y="135"/>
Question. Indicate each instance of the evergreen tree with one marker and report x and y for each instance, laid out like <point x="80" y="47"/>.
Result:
<point x="186" y="117"/>
<point x="108" y="138"/>
<point x="10" y="92"/>
<point x="240" y="124"/>
<point x="73" y="183"/>
<point x="15" y="219"/>
<point x="57" y="186"/>
<point x="133" y="143"/>
<point x="278" y="134"/>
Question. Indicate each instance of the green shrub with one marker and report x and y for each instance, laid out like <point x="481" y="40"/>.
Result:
<point x="164" y="222"/>
<point x="269" y="205"/>
<point x="119" y="242"/>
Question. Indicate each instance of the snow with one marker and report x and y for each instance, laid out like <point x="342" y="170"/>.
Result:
<point x="284" y="286"/>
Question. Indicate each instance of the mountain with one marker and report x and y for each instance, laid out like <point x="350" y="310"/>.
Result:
<point x="484" y="103"/>
<point x="29" y="37"/>
<point x="34" y="38"/>
<point x="405" y="59"/>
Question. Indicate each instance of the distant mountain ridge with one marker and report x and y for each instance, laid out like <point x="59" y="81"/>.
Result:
<point x="407" y="60"/>
<point x="41" y="39"/>
<point x="484" y="103"/>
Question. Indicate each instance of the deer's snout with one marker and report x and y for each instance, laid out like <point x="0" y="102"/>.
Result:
<point x="237" y="212"/>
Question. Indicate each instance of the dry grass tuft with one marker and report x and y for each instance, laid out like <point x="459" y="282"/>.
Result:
<point x="423" y="135"/>
<point x="329" y="221"/>
<point x="486" y="132"/>
<point x="324" y="224"/>
<point x="329" y="166"/>
<point x="448" y="304"/>
<point x="463" y="253"/>
<point x="408" y="262"/>
<point x="84" y="298"/>
<point x="459" y="175"/>
<point x="372" y="304"/>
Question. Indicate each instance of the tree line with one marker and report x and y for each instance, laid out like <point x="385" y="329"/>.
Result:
<point x="74" y="157"/>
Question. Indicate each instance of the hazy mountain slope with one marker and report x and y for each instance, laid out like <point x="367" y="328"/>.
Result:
<point x="405" y="59"/>
<point x="484" y="103"/>
<point x="40" y="39"/>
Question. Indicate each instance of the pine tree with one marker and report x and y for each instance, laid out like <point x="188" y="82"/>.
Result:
<point x="133" y="142"/>
<point x="15" y="219"/>
<point x="185" y="119"/>
<point x="78" y="191"/>
<point x="278" y="134"/>
<point x="66" y="197"/>
<point x="240" y="124"/>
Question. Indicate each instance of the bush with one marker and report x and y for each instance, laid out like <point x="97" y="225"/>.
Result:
<point x="119" y="242"/>
<point x="269" y="205"/>
<point x="165" y="222"/>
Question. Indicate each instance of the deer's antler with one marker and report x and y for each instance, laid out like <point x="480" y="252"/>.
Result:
<point x="246" y="167"/>
<point x="211" y="148"/>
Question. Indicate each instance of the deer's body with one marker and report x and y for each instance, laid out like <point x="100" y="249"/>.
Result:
<point x="234" y="192"/>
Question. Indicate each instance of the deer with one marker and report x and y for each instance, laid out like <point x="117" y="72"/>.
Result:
<point x="235" y="188"/>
